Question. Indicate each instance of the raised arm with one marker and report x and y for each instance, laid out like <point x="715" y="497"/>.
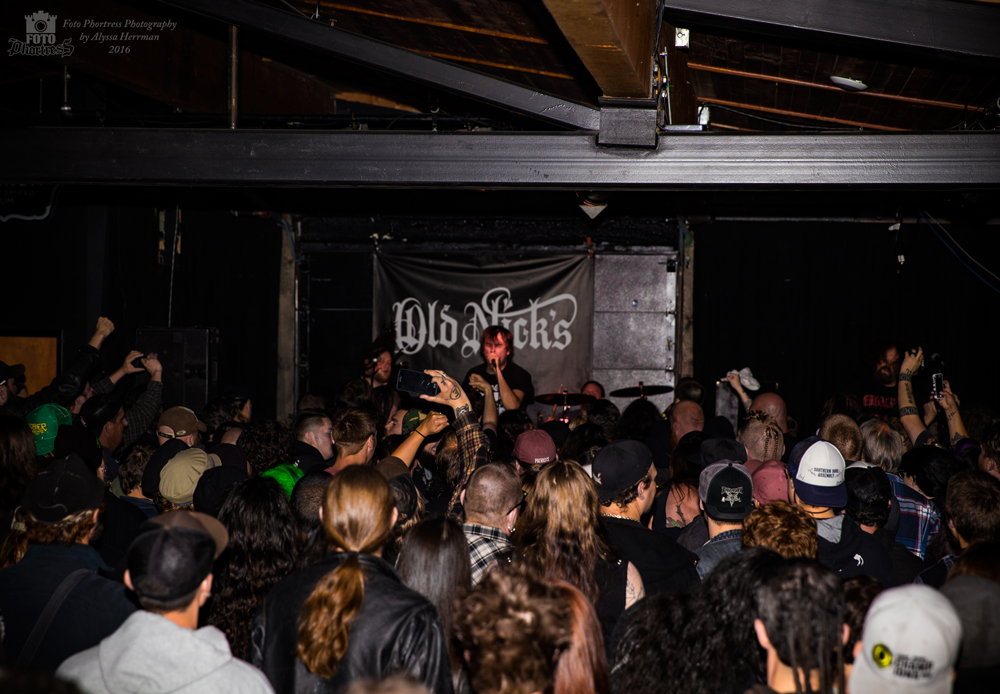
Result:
<point x="490" y="415"/>
<point x="431" y="424"/>
<point x="949" y="403"/>
<point x="734" y="383"/>
<point x="908" y="414"/>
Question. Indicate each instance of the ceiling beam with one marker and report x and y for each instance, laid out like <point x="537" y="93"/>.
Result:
<point x="940" y="29"/>
<point x="614" y="39"/>
<point x="497" y="159"/>
<point x="324" y="39"/>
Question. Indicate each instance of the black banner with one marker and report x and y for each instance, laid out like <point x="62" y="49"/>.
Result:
<point x="440" y="307"/>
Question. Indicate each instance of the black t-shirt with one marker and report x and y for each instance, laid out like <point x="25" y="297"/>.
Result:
<point x="516" y="377"/>
<point x="878" y="400"/>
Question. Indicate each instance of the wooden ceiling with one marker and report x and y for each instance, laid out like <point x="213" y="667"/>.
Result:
<point x="747" y="83"/>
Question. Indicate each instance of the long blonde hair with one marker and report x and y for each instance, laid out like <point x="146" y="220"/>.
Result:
<point x="357" y="516"/>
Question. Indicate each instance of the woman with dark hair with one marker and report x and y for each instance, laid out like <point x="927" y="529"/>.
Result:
<point x="435" y="562"/>
<point x="263" y="541"/>
<point x="349" y="616"/>
<point x="677" y="503"/>
<point x="582" y="668"/>
<point x="580" y="439"/>
<point x="637" y="421"/>
<point x="561" y="538"/>
<point x="17" y="466"/>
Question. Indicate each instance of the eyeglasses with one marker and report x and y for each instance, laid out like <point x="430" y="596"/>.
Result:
<point x="519" y="504"/>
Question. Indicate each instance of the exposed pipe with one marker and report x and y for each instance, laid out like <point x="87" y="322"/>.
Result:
<point x="797" y="114"/>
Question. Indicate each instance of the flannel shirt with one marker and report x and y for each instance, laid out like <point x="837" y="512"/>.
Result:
<point x="486" y="545"/>
<point x="918" y="518"/>
<point x="473" y="449"/>
<point x="144" y="412"/>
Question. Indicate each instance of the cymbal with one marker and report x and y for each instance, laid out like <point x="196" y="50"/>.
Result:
<point x="640" y="391"/>
<point x="564" y="398"/>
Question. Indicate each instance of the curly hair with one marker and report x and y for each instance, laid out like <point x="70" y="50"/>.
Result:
<point x="267" y="444"/>
<point x="561" y="536"/>
<point x="649" y="641"/>
<point x="220" y="410"/>
<point x="785" y="528"/>
<point x="263" y="540"/>
<point x="514" y="625"/>
<point x="630" y="494"/>
<point x="134" y="465"/>
<point x="859" y="591"/>
<point x="582" y="438"/>
<point x="70" y="530"/>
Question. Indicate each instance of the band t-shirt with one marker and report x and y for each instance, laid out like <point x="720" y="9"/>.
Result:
<point x="516" y="377"/>
<point x="878" y="400"/>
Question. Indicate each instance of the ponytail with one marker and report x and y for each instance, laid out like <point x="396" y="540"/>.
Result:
<point x="357" y="516"/>
<point x="327" y="616"/>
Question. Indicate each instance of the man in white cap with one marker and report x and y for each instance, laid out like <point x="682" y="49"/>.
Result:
<point x="910" y="644"/>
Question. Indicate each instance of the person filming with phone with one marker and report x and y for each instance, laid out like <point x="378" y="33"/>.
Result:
<point x="510" y="383"/>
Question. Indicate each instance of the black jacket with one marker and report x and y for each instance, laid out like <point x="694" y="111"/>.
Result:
<point x="856" y="553"/>
<point x="396" y="631"/>
<point x="64" y="387"/>
<point x="664" y="565"/>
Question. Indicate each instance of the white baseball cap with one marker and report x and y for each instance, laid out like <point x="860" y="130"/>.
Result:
<point x="910" y="643"/>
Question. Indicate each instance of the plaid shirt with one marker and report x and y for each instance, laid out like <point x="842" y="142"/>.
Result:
<point x="473" y="449"/>
<point x="918" y="518"/>
<point x="144" y="412"/>
<point x="485" y="547"/>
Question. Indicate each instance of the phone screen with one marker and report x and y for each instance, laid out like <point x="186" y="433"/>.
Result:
<point x="416" y="382"/>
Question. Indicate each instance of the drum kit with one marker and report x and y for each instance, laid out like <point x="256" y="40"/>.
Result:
<point x="568" y="400"/>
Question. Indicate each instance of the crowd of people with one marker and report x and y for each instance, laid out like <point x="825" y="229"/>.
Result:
<point x="382" y="541"/>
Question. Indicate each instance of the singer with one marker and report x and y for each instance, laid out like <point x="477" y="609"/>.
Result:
<point x="510" y="383"/>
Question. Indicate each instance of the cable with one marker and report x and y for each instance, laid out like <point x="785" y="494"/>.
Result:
<point x="957" y="255"/>
<point x="968" y="255"/>
<point x="777" y="121"/>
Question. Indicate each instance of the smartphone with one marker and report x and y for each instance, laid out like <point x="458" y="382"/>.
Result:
<point x="937" y="385"/>
<point x="416" y="382"/>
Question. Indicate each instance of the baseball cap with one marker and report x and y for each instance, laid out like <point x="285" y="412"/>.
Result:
<point x="286" y="475"/>
<point x="770" y="482"/>
<point x="816" y="468"/>
<point x="194" y="520"/>
<point x="10" y="370"/>
<point x="977" y="602"/>
<point x="45" y="421"/>
<point x="64" y="487"/>
<point x="726" y="490"/>
<point x="714" y="450"/>
<point x="182" y="420"/>
<point x="412" y="419"/>
<point x="910" y="643"/>
<point x="534" y="447"/>
<point x="169" y="563"/>
<point x="179" y="477"/>
<point x="618" y="466"/>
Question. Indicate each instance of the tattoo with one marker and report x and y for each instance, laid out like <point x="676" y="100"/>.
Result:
<point x="908" y="389"/>
<point x="455" y="393"/>
<point x="905" y="376"/>
<point x="955" y="438"/>
<point x="630" y="593"/>
<point x="950" y="415"/>
<point x="904" y="411"/>
<point x="459" y="411"/>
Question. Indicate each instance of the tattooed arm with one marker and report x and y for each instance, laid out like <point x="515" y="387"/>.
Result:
<point x="949" y="403"/>
<point x="634" y="589"/>
<point x="908" y="415"/>
<point x="432" y="424"/>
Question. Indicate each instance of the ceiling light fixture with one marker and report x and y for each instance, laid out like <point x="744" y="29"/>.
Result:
<point x="847" y="84"/>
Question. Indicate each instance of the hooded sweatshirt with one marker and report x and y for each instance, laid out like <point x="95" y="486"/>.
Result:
<point x="149" y="654"/>
<point x="850" y="551"/>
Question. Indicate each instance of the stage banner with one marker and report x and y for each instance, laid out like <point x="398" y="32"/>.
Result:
<point x="440" y="307"/>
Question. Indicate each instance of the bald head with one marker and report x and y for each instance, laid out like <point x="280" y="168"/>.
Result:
<point x="493" y="492"/>
<point x="772" y="404"/>
<point x="686" y="416"/>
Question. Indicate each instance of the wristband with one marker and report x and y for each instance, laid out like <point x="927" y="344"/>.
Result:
<point x="904" y="376"/>
<point x="421" y="435"/>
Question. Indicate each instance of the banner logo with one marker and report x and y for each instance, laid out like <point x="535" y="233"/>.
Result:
<point x="40" y="38"/>
<point x="538" y="326"/>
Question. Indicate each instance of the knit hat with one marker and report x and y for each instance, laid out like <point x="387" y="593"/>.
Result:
<point x="179" y="477"/>
<point x="726" y="490"/>
<point x="619" y="466"/>
<point x="61" y="489"/>
<point x="816" y="468"/>
<point x="534" y="447"/>
<point x="909" y="645"/>
<point x="45" y="421"/>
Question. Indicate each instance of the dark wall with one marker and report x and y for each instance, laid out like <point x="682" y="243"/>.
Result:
<point x="801" y="303"/>
<point x="85" y="261"/>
